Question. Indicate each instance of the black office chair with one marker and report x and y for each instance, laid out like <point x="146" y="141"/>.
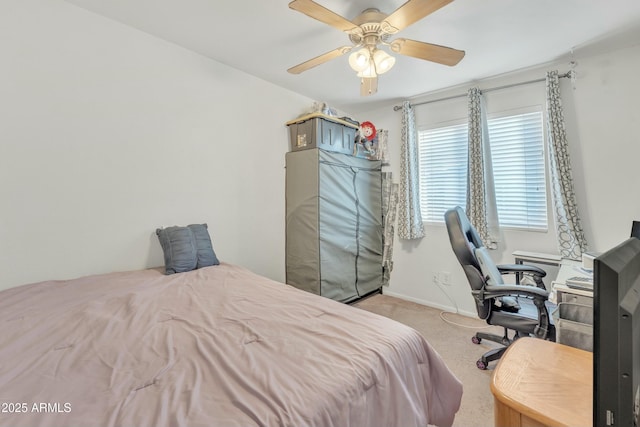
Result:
<point x="518" y="307"/>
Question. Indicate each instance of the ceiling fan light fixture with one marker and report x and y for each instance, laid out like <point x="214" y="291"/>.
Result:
<point x="360" y="60"/>
<point x="383" y="61"/>
<point x="371" y="29"/>
<point x="369" y="72"/>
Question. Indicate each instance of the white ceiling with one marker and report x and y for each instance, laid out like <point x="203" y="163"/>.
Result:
<point x="265" y="38"/>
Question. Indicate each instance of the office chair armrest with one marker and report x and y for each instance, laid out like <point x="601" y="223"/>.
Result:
<point x="544" y="329"/>
<point x="521" y="268"/>
<point x="492" y="291"/>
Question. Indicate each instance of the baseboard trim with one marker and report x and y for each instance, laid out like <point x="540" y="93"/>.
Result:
<point x="429" y="303"/>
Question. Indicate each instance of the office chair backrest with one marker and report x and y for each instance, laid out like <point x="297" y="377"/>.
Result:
<point x="490" y="272"/>
<point x="465" y="240"/>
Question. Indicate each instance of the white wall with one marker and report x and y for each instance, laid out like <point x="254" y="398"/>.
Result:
<point x="601" y="116"/>
<point x="107" y="133"/>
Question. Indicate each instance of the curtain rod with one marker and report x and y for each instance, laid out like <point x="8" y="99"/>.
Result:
<point x="567" y="74"/>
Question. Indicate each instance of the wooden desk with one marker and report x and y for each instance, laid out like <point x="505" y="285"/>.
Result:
<point x="541" y="383"/>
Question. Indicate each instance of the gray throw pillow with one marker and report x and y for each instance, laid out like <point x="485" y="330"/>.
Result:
<point x="186" y="248"/>
<point x="179" y="247"/>
<point x="206" y="255"/>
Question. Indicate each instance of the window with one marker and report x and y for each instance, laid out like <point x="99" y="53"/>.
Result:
<point x="443" y="170"/>
<point x="517" y="154"/>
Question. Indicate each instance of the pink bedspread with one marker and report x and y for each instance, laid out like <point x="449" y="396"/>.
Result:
<point x="219" y="346"/>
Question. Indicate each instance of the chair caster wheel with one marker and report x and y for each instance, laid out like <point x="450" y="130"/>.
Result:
<point x="476" y="340"/>
<point x="481" y="365"/>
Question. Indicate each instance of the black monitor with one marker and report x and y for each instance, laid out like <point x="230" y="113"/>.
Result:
<point x="616" y="336"/>
<point x="635" y="229"/>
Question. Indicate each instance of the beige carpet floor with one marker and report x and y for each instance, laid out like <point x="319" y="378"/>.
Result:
<point x="451" y="337"/>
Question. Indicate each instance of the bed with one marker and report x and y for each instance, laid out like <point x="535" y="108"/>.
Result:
<point x="217" y="346"/>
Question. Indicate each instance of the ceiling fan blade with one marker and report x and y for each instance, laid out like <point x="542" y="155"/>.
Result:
<point x="322" y="14"/>
<point x="320" y="59"/>
<point x="427" y="51"/>
<point x="410" y="12"/>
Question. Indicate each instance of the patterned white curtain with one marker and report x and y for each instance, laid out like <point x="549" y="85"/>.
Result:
<point x="571" y="240"/>
<point x="409" y="217"/>
<point x="481" y="198"/>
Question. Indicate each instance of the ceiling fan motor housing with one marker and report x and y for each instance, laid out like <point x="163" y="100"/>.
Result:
<point x="369" y="31"/>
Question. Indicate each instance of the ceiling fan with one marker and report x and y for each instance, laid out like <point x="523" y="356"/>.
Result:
<point x="371" y="29"/>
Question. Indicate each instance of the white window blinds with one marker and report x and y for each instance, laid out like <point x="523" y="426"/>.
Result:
<point x="517" y="151"/>
<point x="443" y="170"/>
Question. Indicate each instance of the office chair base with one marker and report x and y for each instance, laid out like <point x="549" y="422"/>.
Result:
<point x="496" y="353"/>
<point x="504" y="340"/>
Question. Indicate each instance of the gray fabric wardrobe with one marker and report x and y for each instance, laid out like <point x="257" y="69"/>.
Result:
<point x="333" y="224"/>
